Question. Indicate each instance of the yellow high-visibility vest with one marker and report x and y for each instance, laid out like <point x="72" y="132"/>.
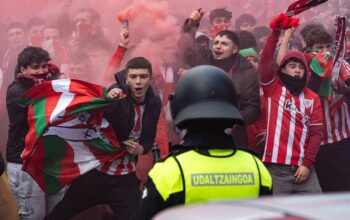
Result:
<point x="224" y="174"/>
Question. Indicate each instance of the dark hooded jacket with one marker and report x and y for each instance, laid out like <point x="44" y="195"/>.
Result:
<point x="121" y="114"/>
<point x="266" y="68"/>
<point x="17" y="113"/>
<point x="18" y="118"/>
<point x="242" y="73"/>
<point x="296" y="55"/>
<point x="246" y="82"/>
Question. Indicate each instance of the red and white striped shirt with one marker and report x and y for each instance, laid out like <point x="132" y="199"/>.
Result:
<point x="126" y="164"/>
<point x="336" y="125"/>
<point x="289" y="118"/>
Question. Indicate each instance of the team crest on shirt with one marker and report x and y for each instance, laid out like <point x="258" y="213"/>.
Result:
<point x="291" y="106"/>
<point x="308" y="103"/>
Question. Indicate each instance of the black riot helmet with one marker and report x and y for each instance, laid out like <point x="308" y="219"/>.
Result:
<point x="204" y="93"/>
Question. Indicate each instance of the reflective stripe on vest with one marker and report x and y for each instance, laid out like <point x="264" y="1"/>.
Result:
<point x="207" y="178"/>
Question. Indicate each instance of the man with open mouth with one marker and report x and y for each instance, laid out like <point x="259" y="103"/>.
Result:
<point x="134" y="120"/>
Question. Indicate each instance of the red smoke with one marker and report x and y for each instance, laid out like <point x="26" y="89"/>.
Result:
<point x="154" y="24"/>
<point x="153" y="29"/>
<point x="146" y="9"/>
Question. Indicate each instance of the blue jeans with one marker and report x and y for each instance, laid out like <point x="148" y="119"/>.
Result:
<point x="29" y="197"/>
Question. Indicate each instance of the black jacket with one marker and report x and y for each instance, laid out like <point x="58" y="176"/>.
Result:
<point x="243" y="76"/>
<point x="17" y="112"/>
<point x="121" y="115"/>
<point x="246" y="82"/>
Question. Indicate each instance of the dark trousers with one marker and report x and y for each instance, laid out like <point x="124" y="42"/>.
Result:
<point x="284" y="181"/>
<point x="333" y="166"/>
<point x="121" y="193"/>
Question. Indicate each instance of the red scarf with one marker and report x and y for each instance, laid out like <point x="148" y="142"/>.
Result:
<point x="38" y="78"/>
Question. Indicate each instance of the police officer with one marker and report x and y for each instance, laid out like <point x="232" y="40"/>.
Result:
<point x="207" y="165"/>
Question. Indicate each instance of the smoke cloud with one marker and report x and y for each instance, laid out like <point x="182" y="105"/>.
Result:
<point x="155" y="25"/>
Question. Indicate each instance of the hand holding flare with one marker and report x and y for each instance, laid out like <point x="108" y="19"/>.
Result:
<point x="196" y="17"/>
<point x="124" y="35"/>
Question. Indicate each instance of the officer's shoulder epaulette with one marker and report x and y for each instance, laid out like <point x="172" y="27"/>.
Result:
<point x="248" y="151"/>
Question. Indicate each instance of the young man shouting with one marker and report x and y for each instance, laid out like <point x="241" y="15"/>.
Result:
<point x="134" y="120"/>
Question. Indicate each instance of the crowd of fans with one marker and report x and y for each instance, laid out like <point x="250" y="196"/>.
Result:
<point x="79" y="45"/>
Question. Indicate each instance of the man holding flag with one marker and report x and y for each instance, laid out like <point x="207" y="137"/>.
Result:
<point x="133" y="120"/>
<point x="32" y="69"/>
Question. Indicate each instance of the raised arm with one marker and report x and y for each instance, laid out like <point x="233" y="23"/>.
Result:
<point x="284" y="45"/>
<point x="266" y="69"/>
<point x="118" y="55"/>
<point x="191" y="24"/>
<point x="64" y="21"/>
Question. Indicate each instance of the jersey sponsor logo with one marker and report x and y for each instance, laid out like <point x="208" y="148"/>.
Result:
<point x="290" y="106"/>
<point x="222" y="179"/>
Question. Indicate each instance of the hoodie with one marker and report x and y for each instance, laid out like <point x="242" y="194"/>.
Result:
<point x="266" y="68"/>
<point x="268" y="74"/>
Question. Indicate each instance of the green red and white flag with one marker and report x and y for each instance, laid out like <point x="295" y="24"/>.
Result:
<point x="335" y="67"/>
<point x="68" y="135"/>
